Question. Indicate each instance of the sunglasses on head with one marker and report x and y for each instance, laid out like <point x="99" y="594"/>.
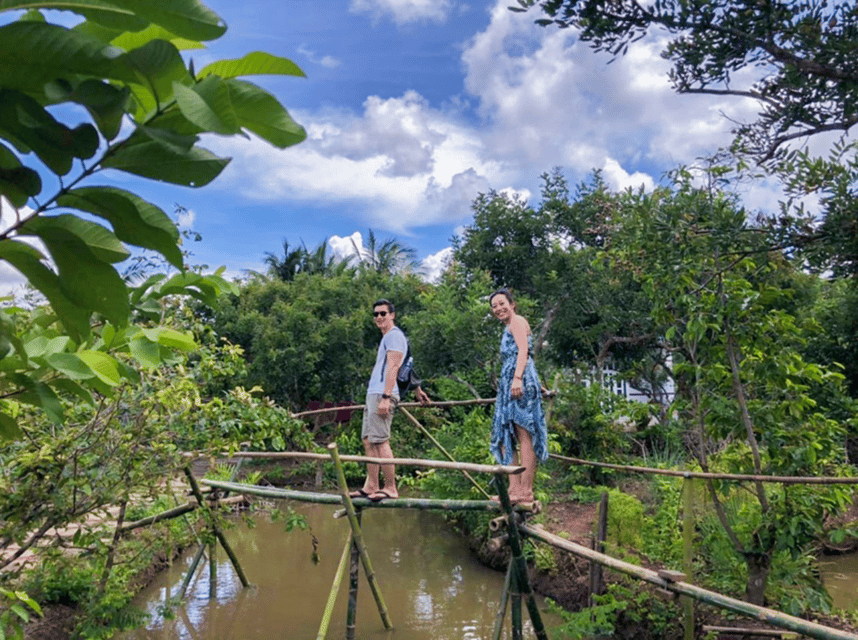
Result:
<point x="379" y="313"/>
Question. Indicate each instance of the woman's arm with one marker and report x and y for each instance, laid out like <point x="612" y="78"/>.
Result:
<point x="519" y="328"/>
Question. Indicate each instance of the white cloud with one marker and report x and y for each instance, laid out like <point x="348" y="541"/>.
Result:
<point x="436" y="264"/>
<point x="329" y="62"/>
<point x="619" y="179"/>
<point x="185" y="218"/>
<point x="405" y="11"/>
<point x="349" y="248"/>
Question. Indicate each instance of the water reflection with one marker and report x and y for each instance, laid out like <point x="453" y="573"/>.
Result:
<point x="433" y="588"/>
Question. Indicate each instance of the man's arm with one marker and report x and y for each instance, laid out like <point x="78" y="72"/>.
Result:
<point x="394" y="361"/>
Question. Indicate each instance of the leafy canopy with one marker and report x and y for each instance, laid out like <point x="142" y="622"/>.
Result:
<point x="64" y="229"/>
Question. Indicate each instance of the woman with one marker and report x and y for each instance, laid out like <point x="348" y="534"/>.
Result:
<point x="518" y="409"/>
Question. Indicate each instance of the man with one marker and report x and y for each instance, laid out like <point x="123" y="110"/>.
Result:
<point x="381" y="394"/>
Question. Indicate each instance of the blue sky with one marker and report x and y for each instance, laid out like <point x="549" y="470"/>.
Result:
<point x="413" y="107"/>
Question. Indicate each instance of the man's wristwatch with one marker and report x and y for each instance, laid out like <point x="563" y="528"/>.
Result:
<point x="385" y="396"/>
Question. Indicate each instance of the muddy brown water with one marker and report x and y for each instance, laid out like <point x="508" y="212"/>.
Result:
<point x="840" y="576"/>
<point x="433" y="586"/>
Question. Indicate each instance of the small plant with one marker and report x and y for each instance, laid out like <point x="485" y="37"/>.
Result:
<point x="14" y="613"/>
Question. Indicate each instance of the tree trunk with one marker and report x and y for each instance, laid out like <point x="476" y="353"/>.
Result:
<point x="759" y="565"/>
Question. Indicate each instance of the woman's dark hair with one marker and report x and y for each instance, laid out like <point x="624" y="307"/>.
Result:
<point x="389" y="304"/>
<point x="503" y="292"/>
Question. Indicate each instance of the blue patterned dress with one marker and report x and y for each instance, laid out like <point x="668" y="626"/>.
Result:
<point x="525" y="411"/>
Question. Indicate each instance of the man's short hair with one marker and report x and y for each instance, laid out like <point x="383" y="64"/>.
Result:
<point x="390" y="308"/>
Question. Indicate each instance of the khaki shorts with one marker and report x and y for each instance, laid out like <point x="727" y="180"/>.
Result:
<point x="376" y="429"/>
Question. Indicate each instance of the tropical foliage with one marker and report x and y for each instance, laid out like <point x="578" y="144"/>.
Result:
<point x="67" y="228"/>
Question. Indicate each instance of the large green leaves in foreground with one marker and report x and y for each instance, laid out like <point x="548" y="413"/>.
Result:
<point x="147" y="109"/>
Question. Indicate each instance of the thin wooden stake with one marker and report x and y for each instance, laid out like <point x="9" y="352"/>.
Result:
<point x="520" y="563"/>
<point x="441" y="448"/>
<point x="213" y="569"/>
<point x="358" y="537"/>
<point x="332" y="597"/>
<point x="596" y="581"/>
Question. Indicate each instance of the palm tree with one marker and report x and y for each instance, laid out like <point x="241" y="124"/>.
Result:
<point x="287" y="267"/>
<point x="388" y="258"/>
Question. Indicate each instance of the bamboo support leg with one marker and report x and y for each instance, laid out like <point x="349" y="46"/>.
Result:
<point x="212" y="570"/>
<point x="358" y="537"/>
<point x="520" y="563"/>
<point x="192" y="570"/>
<point x="332" y="597"/>
<point x="215" y="529"/>
<point x="688" y="552"/>
<point x="501" y="614"/>
<point x="516" y="623"/>
<point x="441" y="448"/>
<point x="354" y="568"/>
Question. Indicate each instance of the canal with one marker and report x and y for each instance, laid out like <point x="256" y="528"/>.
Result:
<point x="433" y="586"/>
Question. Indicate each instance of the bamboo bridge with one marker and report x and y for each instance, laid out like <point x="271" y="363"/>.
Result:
<point x="511" y="528"/>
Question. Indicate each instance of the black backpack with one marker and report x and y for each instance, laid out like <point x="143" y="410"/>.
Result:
<point x="406" y="378"/>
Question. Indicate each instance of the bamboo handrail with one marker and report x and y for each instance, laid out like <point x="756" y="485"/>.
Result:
<point x="354" y="407"/>
<point x="407" y="462"/>
<point x="710" y="476"/>
<point x="755" y="612"/>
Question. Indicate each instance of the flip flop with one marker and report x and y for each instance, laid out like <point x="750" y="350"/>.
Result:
<point x="359" y="493"/>
<point x="384" y="495"/>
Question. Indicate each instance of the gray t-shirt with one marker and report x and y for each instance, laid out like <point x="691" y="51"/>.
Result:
<point x="393" y="340"/>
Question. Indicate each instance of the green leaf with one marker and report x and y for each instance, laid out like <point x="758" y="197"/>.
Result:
<point x="9" y="429"/>
<point x="69" y="364"/>
<point x="17" y="182"/>
<point x="103" y="244"/>
<point x="133" y="40"/>
<point x="29" y="127"/>
<point x="105" y="102"/>
<point x="100" y="11"/>
<point x="134" y="220"/>
<point x="169" y="138"/>
<point x="186" y="18"/>
<point x="105" y="366"/>
<point x="195" y="168"/>
<point x="84" y="279"/>
<point x="255" y="63"/>
<point x="171" y="338"/>
<point x="208" y="106"/>
<point x="261" y="113"/>
<point x="39" y="395"/>
<point x="35" y="53"/>
<point x="42" y="345"/>
<point x="27" y="260"/>
<point x="146" y="352"/>
<point x="159" y="65"/>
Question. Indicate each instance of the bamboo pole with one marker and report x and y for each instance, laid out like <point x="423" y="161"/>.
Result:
<point x="688" y="552"/>
<point x="737" y="631"/>
<point x="440" y="404"/>
<point x="406" y="462"/>
<point x="216" y="530"/>
<point x="769" y="616"/>
<point x="193" y="568"/>
<point x="440" y="448"/>
<point x="332" y="597"/>
<point x="711" y="476"/>
<point x="213" y="569"/>
<point x="354" y="566"/>
<point x="596" y="579"/>
<point x="175" y="512"/>
<point x="520" y="576"/>
<point x="501" y="614"/>
<point x="358" y="537"/>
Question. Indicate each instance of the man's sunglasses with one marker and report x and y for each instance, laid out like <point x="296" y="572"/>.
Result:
<point x="375" y="314"/>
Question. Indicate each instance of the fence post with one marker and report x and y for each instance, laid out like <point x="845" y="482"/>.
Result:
<point x="596" y="583"/>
